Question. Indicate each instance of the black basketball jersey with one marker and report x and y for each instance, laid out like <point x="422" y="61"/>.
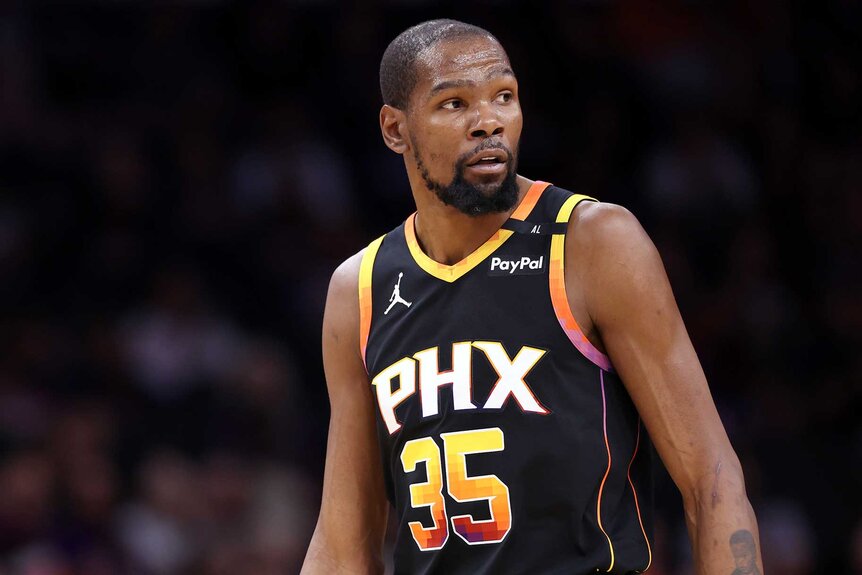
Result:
<point x="509" y="444"/>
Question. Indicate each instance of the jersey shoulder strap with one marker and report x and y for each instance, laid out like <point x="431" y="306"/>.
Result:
<point x="567" y="202"/>
<point x="569" y="205"/>
<point x="550" y="215"/>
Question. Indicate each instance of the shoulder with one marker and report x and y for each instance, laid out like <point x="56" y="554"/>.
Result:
<point x="603" y="222"/>
<point x="341" y="316"/>
<point x="604" y="233"/>
<point x="345" y="278"/>
<point x="615" y="264"/>
<point x="612" y="261"/>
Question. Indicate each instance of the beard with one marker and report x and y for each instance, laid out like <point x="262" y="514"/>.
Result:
<point x="471" y="199"/>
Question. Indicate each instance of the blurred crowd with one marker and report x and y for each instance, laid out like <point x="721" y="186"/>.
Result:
<point x="179" y="179"/>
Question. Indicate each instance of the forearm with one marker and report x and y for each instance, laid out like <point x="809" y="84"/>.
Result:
<point x="722" y="527"/>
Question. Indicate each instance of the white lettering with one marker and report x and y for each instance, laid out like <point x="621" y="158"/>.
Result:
<point x="513" y="266"/>
<point x="430" y="378"/>
<point x="387" y="400"/>
<point x="511" y="382"/>
<point x="512" y="373"/>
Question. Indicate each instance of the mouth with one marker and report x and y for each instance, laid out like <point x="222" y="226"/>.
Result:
<point x="489" y="162"/>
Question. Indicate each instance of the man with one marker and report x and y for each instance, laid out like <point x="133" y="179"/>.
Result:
<point x="496" y="396"/>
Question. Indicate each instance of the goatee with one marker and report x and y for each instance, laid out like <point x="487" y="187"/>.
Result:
<point x="469" y="198"/>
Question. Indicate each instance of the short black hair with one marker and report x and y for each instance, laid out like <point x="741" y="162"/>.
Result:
<point x="398" y="65"/>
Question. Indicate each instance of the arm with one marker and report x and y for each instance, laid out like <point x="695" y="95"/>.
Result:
<point x="348" y="538"/>
<point x="627" y="307"/>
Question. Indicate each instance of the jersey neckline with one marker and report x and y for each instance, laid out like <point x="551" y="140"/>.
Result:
<point x="450" y="273"/>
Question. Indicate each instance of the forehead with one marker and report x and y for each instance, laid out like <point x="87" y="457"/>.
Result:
<point x="469" y="57"/>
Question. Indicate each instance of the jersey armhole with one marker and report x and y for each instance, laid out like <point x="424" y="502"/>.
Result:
<point x="366" y="267"/>
<point x="559" y="298"/>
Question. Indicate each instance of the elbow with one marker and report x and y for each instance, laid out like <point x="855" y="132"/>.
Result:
<point x="719" y="483"/>
<point x="329" y="555"/>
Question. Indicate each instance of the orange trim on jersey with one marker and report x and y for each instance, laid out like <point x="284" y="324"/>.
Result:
<point x="451" y="273"/>
<point x="635" y="494"/>
<point x="365" y="269"/>
<point x="559" y="298"/>
<point x="530" y="200"/>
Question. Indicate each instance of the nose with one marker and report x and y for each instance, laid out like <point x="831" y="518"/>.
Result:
<point x="487" y="122"/>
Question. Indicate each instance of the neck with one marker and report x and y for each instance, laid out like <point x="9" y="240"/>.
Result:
<point x="447" y="235"/>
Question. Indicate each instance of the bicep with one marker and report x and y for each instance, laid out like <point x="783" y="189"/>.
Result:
<point x="633" y="307"/>
<point x="354" y="507"/>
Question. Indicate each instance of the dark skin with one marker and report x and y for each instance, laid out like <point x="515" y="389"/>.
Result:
<point x="618" y="292"/>
<point x="437" y="110"/>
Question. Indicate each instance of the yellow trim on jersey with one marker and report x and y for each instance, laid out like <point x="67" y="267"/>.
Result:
<point x="365" y="269"/>
<point x="635" y="495"/>
<point x="450" y="273"/>
<point x="569" y="205"/>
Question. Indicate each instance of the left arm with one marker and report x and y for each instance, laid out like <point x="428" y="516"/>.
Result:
<point x="632" y="310"/>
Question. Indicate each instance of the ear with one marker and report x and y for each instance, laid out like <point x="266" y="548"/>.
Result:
<point x="394" y="128"/>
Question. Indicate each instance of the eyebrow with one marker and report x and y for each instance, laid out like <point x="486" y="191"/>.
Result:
<point x="493" y="73"/>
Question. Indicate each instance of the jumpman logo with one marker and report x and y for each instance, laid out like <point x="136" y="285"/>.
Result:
<point x="396" y="296"/>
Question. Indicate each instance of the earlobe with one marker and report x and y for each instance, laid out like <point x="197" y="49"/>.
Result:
<point x="392" y="128"/>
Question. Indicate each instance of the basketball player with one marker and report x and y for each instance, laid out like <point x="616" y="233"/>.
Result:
<point x="502" y="397"/>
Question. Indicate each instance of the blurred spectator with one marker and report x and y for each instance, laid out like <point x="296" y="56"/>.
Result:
<point x="158" y="529"/>
<point x="786" y="538"/>
<point x="174" y="343"/>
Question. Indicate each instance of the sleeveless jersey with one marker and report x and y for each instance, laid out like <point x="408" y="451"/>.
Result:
<point x="509" y="444"/>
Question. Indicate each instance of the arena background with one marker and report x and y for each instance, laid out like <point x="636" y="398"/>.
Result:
<point x="179" y="179"/>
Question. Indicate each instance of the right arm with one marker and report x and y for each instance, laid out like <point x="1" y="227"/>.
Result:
<point x="349" y="535"/>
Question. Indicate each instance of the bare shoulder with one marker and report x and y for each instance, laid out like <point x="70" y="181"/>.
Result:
<point x="343" y="292"/>
<point x="602" y="228"/>
<point x="615" y="265"/>
<point x="607" y="241"/>
<point x="341" y="316"/>
<point x="345" y="278"/>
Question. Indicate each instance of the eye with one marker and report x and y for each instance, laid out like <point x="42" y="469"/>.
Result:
<point x="505" y="97"/>
<point x="452" y="105"/>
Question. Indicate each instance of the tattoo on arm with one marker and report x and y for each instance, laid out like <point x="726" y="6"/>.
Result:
<point x="744" y="553"/>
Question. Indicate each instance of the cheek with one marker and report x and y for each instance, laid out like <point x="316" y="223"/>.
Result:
<point x="516" y="121"/>
<point x="438" y="145"/>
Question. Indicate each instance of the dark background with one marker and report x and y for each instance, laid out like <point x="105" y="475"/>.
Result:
<point x="179" y="179"/>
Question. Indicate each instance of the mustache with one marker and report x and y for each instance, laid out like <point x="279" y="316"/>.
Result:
<point x="486" y="145"/>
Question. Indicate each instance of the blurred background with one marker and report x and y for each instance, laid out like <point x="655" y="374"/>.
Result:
<point x="178" y="180"/>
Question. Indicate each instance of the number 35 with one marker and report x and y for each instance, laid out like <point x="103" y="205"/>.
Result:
<point x="461" y="487"/>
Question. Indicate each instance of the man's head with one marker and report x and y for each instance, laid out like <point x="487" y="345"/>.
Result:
<point x="744" y="552"/>
<point x="451" y="109"/>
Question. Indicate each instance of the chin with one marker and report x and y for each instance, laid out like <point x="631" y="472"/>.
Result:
<point x="488" y="189"/>
<point x="488" y="185"/>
